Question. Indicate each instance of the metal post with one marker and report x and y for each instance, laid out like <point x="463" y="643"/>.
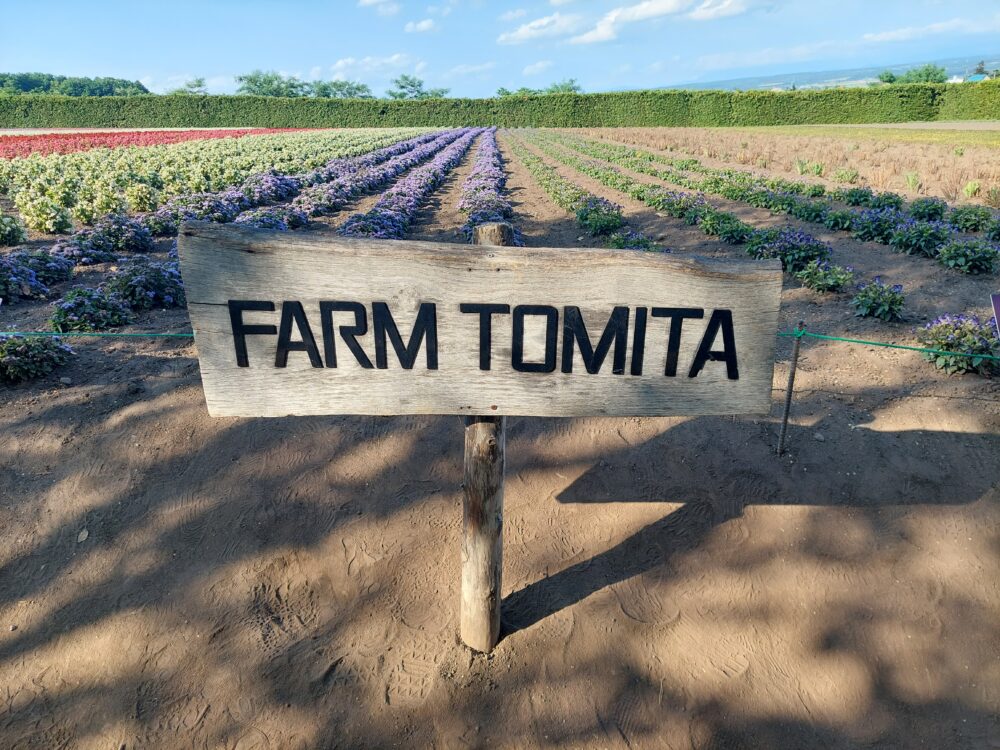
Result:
<point x="791" y="386"/>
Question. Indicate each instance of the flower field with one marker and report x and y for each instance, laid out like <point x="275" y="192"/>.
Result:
<point x="649" y="535"/>
<point x="21" y="146"/>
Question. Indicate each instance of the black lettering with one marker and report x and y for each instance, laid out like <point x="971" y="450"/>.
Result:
<point x="486" y="313"/>
<point x="240" y="330"/>
<point x="677" y="316"/>
<point x="639" y="341"/>
<point x="348" y="333"/>
<point x="575" y="330"/>
<point x="720" y="319"/>
<point x="551" y="332"/>
<point x="293" y="312"/>
<point x="425" y="326"/>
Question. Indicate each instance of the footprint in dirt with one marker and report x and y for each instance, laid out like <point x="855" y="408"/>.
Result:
<point x="415" y="673"/>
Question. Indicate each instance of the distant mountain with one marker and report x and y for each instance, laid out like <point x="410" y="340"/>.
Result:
<point x="956" y="67"/>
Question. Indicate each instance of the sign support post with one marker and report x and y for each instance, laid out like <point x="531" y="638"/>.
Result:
<point x="482" y="508"/>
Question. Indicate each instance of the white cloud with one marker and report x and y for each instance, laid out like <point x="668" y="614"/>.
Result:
<point x="382" y="7"/>
<point x="560" y="2"/>
<point x="470" y="69"/>
<point x="555" y="25"/>
<point x="606" y="29"/>
<point x="709" y="10"/>
<point x="536" y="68"/>
<point x="955" y="25"/>
<point x="608" y="26"/>
<point x="354" y="67"/>
<point x="417" y="27"/>
<point x="513" y="15"/>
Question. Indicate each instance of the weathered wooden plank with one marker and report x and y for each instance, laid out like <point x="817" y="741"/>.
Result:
<point x="223" y="263"/>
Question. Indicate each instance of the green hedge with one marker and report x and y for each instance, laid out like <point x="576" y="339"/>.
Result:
<point x="630" y="108"/>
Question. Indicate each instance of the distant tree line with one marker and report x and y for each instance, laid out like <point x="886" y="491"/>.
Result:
<point x="255" y="83"/>
<point x="924" y="74"/>
<point x="44" y="83"/>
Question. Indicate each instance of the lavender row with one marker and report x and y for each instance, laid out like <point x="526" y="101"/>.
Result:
<point x="482" y="192"/>
<point x="330" y="197"/>
<point x="394" y="212"/>
<point x="115" y="234"/>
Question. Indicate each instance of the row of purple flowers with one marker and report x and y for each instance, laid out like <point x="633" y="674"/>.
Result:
<point x="396" y="209"/>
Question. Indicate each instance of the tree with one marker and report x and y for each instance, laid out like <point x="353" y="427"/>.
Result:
<point x="887" y="76"/>
<point x="44" y="83"/>
<point x="341" y="90"/>
<point x="924" y="74"/>
<point x="568" y="86"/>
<point x="194" y="86"/>
<point x="271" y="83"/>
<point x="523" y="91"/>
<point x="411" y="87"/>
<point x="980" y="68"/>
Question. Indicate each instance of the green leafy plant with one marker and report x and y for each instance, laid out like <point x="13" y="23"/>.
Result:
<point x="887" y="200"/>
<point x="801" y="166"/>
<point x="599" y="216"/>
<point x="89" y="310"/>
<point x="992" y="231"/>
<point x="12" y="231"/>
<point x="876" y="300"/>
<point x="145" y="284"/>
<point x="817" y="168"/>
<point x="965" y="342"/>
<point x="846" y="176"/>
<point x="971" y="189"/>
<point x="919" y="237"/>
<point x="841" y="219"/>
<point x="25" y="358"/>
<point x="794" y="248"/>
<point x="928" y="209"/>
<point x="47" y="267"/>
<point x="970" y="256"/>
<point x="860" y="196"/>
<point x="970" y="218"/>
<point x="824" y="277"/>
<point x="913" y="181"/>
<point x="992" y="197"/>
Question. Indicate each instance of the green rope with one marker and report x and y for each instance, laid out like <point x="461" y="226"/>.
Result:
<point x="97" y="335"/>
<point x="800" y="332"/>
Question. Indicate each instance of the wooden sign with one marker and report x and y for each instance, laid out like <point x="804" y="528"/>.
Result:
<point x="310" y="323"/>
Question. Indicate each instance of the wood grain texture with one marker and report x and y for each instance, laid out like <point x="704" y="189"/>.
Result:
<point x="225" y="262"/>
<point x="482" y="506"/>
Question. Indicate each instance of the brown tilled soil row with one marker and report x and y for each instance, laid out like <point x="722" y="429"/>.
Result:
<point x="171" y="580"/>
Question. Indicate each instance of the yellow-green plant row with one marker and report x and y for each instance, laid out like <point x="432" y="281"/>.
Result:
<point x="51" y="191"/>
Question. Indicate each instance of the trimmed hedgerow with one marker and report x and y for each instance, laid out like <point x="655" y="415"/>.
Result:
<point x="628" y="108"/>
<point x="29" y="357"/>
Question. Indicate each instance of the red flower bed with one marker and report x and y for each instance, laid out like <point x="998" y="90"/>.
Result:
<point x="12" y="146"/>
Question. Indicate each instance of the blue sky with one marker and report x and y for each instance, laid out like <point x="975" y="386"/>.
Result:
<point x="473" y="46"/>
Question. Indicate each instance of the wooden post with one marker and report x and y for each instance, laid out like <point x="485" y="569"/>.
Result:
<point x="482" y="509"/>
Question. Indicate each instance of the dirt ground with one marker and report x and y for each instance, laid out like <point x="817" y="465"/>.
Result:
<point x="172" y="580"/>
